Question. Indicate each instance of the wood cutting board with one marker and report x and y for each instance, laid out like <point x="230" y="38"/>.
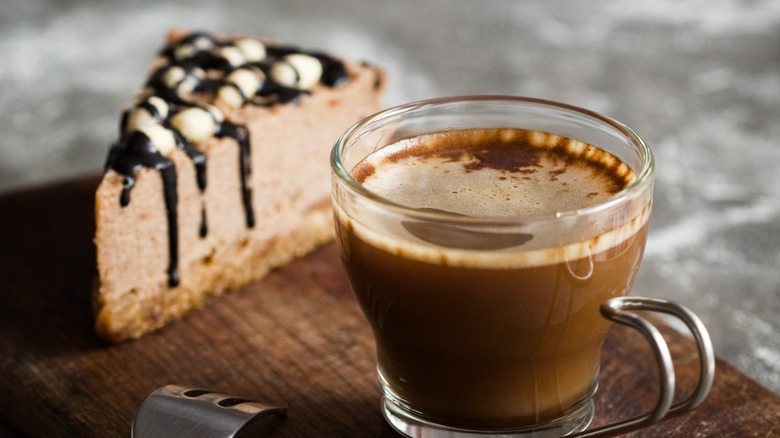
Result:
<point x="296" y="338"/>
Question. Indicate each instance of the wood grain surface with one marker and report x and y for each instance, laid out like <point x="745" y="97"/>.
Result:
<point x="297" y="338"/>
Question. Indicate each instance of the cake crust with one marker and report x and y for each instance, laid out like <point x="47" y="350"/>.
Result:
<point x="225" y="236"/>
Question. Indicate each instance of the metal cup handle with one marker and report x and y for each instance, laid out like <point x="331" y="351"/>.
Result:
<point x="621" y="310"/>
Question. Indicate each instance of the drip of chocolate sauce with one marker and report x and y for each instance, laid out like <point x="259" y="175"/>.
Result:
<point x="198" y="159"/>
<point x="241" y="135"/>
<point x="128" y="156"/>
<point x="204" y="226"/>
<point x="136" y="150"/>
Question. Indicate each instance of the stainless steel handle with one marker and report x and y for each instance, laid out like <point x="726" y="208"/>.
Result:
<point x="622" y="310"/>
<point x="174" y="411"/>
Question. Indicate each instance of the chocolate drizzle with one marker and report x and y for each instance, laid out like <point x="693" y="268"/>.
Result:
<point x="333" y="71"/>
<point x="277" y="93"/>
<point x="136" y="151"/>
<point x="203" y="231"/>
<point x="201" y="69"/>
<point x="241" y="135"/>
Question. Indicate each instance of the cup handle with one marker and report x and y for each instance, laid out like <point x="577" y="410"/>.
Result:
<point x="621" y="310"/>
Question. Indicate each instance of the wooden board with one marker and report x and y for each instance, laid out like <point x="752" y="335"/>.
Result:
<point x="297" y="338"/>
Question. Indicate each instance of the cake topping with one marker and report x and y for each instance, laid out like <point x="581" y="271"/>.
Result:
<point x="248" y="80"/>
<point x="172" y="76"/>
<point x="297" y="71"/>
<point x="215" y="113"/>
<point x="253" y="50"/>
<point x="195" y="124"/>
<point x="193" y="45"/>
<point x="231" y="96"/>
<point x="176" y="111"/>
<point x="159" y="105"/>
<point x="232" y="55"/>
<point x="153" y="111"/>
<point x="182" y="83"/>
<point x="162" y="139"/>
<point x="241" y="85"/>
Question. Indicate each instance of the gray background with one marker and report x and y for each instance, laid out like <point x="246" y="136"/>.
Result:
<point x="698" y="79"/>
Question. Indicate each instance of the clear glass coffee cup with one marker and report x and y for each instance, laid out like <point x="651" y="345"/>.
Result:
<point x="490" y="270"/>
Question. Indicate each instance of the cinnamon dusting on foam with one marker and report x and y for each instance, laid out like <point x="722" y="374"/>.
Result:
<point x="496" y="173"/>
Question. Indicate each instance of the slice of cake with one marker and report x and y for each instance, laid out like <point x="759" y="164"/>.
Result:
<point x="220" y="174"/>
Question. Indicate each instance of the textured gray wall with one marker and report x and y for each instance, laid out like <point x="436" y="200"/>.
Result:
<point x="699" y="80"/>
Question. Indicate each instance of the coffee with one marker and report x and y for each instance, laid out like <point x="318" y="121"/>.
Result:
<point x="489" y="327"/>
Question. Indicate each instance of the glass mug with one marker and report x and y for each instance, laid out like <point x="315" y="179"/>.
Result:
<point x="493" y="324"/>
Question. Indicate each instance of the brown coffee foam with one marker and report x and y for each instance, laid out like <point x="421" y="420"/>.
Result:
<point x="494" y="173"/>
<point x="507" y="185"/>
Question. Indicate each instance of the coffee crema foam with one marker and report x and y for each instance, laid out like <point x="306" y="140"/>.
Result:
<point x="493" y="174"/>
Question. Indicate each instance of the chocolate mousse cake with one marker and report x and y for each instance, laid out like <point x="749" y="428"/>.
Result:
<point x="220" y="173"/>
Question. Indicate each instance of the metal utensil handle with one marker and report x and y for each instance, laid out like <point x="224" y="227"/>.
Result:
<point x="620" y="310"/>
<point x="174" y="411"/>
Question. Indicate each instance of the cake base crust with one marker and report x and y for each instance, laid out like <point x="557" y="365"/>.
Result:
<point x="130" y="316"/>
